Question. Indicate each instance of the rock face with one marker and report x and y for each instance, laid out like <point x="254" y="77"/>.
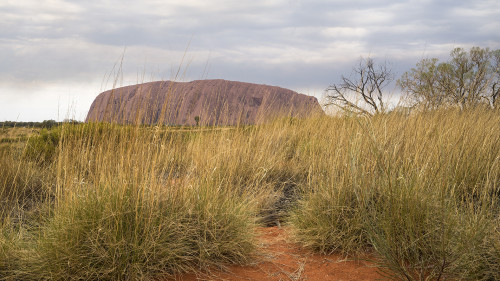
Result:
<point x="214" y="102"/>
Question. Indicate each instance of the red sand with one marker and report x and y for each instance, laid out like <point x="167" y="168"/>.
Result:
<point x="281" y="259"/>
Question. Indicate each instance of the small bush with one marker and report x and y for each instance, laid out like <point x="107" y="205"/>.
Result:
<point x="331" y="219"/>
<point x="423" y="235"/>
<point x="43" y="147"/>
<point x="421" y="191"/>
<point x="123" y="233"/>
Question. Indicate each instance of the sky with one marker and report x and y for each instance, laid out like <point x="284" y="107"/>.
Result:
<point x="56" y="56"/>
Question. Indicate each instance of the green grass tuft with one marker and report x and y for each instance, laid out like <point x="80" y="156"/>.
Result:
<point x="420" y="193"/>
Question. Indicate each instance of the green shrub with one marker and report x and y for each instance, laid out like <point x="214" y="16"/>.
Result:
<point x="331" y="219"/>
<point x="421" y="191"/>
<point x="422" y="234"/>
<point x="43" y="147"/>
<point x="124" y="233"/>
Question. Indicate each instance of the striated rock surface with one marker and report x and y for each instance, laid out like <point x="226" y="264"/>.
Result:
<point x="215" y="102"/>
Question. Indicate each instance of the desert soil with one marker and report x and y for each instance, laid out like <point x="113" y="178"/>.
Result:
<point x="281" y="259"/>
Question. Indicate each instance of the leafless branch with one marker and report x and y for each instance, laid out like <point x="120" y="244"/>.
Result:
<point x="363" y="92"/>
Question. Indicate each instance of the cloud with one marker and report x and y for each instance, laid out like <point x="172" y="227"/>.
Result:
<point x="290" y="43"/>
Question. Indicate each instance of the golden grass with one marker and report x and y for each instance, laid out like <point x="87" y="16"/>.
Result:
<point x="130" y="202"/>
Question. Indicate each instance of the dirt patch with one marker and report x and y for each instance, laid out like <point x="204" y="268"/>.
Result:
<point x="280" y="259"/>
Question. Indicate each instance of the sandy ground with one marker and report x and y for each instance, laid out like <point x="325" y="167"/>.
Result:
<point x="281" y="259"/>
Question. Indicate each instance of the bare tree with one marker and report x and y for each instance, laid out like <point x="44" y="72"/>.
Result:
<point x="363" y="92"/>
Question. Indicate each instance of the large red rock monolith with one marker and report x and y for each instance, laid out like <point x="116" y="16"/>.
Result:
<point x="215" y="102"/>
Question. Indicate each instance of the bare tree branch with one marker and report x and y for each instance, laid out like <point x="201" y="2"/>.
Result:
<point x="363" y="92"/>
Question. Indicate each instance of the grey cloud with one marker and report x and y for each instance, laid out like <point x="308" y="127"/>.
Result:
<point x="297" y="43"/>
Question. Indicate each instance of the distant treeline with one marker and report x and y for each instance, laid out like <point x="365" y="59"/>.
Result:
<point x="45" y="124"/>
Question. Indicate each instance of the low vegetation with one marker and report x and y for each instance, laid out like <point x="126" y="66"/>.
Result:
<point x="419" y="192"/>
<point x="99" y="201"/>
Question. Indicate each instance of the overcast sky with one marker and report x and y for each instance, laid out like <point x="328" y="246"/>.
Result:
<point x="56" y="56"/>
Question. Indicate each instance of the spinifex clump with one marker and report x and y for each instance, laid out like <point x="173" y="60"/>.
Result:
<point x="419" y="192"/>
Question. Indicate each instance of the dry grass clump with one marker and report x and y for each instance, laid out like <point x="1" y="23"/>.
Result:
<point x="421" y="191"/>
<point x="23" y="184"/>
<point x="133" y="202"/>
<point x="119" y="232"/>
<point x="128" y="202"/>
<point x="7" y="252"/>
<point x="126" y="207"/>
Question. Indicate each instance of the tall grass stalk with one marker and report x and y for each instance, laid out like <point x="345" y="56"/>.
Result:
<point x="419" y="192"/>
<point x="126" y="208"/>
